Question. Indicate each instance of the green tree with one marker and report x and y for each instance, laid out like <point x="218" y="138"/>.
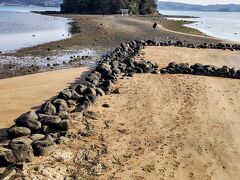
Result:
<point x="108" y="6"/>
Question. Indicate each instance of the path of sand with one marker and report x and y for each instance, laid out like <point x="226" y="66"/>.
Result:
<point x="175" y="126"/>
<point x="166" y="126"/>
<point x="20" y="94"/>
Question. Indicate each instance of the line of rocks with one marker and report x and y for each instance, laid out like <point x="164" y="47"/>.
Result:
<point x="36" y="133"/>
<point x="200" y="69"/>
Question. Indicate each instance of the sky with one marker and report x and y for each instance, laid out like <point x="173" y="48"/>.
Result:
<point x="206" y="2"/>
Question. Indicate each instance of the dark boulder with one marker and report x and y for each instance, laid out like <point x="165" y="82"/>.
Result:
<point x="19" y="131"/>
<point x="6" y="158"/>
<point x="65" y="94"/>
<point x="37" y="137"/>
<point x="64" y="115"/>
<point x="90" y="91"/>
<point x="60" y="104"/>
<point x="224" y="71"/>
<point x="79" y="88"/>
<point x="65" y="125"/>
<point x="31" y="115"/>
<point x="43" y="147"/>
<point x="100" y="92"/>
<point x="33" y="125"/>
<point x="48" y="108"/>
<point x="49" y="120"/>
<point x="82" y="107"/>
<point x="22" y="149"/>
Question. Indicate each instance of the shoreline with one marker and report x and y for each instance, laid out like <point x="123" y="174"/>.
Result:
<point x="98" y="33"/>
<point x="201" y="23"/>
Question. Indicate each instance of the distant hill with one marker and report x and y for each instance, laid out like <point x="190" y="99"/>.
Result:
<point x="32" y="2"/>
<point x="193" y="7"/>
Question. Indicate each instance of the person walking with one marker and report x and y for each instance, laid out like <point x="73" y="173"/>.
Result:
<point x="155" y="26"/>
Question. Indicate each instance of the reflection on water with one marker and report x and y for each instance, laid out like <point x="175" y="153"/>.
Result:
<point x="21" y="28"/>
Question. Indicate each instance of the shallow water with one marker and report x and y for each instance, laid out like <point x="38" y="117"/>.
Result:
<point x="20" y="28"/>
<point x="59" y="59"/>
<point x="224" y="25"/>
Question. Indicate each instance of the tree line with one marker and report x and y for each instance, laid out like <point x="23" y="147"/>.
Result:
<point x="109" y="6"/>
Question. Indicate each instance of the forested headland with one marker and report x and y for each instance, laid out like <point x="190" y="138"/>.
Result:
<point x="109" y="6"/>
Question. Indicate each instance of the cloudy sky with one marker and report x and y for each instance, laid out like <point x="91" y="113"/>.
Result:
<point x="205" y="2"/>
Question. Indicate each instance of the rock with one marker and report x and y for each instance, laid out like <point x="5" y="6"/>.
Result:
<point x="6" y="157"/>
<point x="48" y="108"/>
<point x="20" y="140"/>
<point x="2" y="169"/>
<point x="21" y="149"/>
<point x="71" y="103"/>
<point x="105" y="105"/>
<point x="49" y="120"/>
<point x="224" y="71"/>
<point x="65" y="125"/>
<point x="4" y="143"/>
<point x="33" y="125"/>
<point x="62" y="140"/>
<point x="20" y="166"/>
<point x="65" y="94"/>
<point x="116" y="91"/>
<point x="82" y="107"/>
<point x="21" y="120"/>
<point x="60" y="104"/>
<point x="100" y="92"/>
<point x="8" y="174"/>
<point x="93" y="78"/>
<point x="90" y="98"/>
<point x="88" y="84"/>
<point x="139" y="70"/>
<point x="76" y="96"/>
<point x="156" y="71"/>
<point x="79" y="88"/>
<point x="64" y="115"/>
<point x="43" y="147"/>
<point x="45" y="129"/>
<point x="37" y="137"/>
<point x="19" y="131"/>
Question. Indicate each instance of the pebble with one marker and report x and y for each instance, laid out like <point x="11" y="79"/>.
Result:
<point x="105" y="105"/>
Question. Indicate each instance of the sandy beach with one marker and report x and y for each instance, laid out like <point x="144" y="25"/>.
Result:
<point x="175" y="126"/>
<point x="159" y="126"/>
<point x="156" y="127"/>
<point x="21" y="94"/>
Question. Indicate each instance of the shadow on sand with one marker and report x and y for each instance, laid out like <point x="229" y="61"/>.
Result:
<point x="3" y="131"/>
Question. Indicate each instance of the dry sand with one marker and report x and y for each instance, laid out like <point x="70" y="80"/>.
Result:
<point x="175" y="126"/>
<point x="23" y="93"/>
<point x="163" y="126"/>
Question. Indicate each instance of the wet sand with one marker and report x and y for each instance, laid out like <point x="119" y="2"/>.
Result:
<point x="109" y="31"/>
<point x="99" y="34"/>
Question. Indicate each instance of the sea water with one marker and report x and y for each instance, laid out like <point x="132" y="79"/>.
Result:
<point x="224" y="25"/>
<point x="20" y="28"/>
